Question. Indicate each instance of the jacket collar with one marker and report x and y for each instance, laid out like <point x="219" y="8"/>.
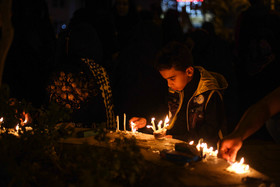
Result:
<point x="210" y="81"/>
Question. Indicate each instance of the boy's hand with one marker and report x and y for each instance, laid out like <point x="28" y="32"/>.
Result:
<point x="139" y="122"/>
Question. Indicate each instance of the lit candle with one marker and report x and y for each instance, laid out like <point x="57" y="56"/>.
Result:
<point x="150" y="126"/>
<point x="1" y="120"/>
<point x="166" y="121"/>
<point x="153" y="123"/>
<point x="124" y="121"/>
<point x="118" y="123"/>
<point x="239" y="167"/>
<point x="133" y="129"/>
<point x="159" y="125"/>
<point x="17" y="127"/>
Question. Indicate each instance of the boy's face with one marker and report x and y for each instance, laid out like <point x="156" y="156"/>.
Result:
<point x="177" y="80"/>
<point x="122" y="7"/>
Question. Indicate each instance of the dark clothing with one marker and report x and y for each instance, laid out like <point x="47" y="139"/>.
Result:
<point x="180" y="129"/>
<point x="198" y="111"/>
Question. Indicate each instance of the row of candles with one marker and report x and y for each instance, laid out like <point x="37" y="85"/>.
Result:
<point x="15" y="131"/>
<point x="153" y="126"/>
<point x="132" y="125"/>
<point x="236" y="167"/>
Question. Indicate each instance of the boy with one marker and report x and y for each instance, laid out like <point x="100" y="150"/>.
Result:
<point x="195" y="96"/>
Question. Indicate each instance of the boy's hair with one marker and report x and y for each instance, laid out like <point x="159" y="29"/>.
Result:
<point x="174" y="54"/>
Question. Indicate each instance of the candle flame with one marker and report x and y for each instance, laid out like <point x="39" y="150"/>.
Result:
<point x="239" y="167"/>
<point x="166" y="119"/>
<point x="133" y="128"/>
<point x="1" y="119"/>
<point x="25" y="118"/>
<point x="159" y="125"/>
<point x="201" y="146"/>
<point x="24" y="122"/>
<point x="17" y="127"/>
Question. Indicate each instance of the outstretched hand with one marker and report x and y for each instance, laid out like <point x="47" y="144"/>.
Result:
<point x="139" y="122"/>
<point x="229" y="147"/>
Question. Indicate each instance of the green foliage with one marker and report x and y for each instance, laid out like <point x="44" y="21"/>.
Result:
<point x="37" y="158"/>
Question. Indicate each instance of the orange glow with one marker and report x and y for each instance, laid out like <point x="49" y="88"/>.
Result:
<point x="25" y="118"/>
<point x="239" y="167"/>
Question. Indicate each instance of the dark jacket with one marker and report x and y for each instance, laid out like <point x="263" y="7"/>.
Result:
<point x="198" y="111"/>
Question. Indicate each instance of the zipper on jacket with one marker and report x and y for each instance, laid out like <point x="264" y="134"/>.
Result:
<point x="181" y="95"/>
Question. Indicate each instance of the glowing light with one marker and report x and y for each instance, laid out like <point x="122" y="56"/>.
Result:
<point x="159" y="125"/>
<point x="133" y="128"/>
<point x="153" y="123"/>
<point x="191" y="142"/>
<point x="165" y="122"/>
<point x="17" y="127"/>
<point x="25" y="118"/>
<point x="239" y="167"/>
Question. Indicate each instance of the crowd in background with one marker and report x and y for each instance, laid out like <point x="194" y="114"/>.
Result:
<point x="125" y="40"/>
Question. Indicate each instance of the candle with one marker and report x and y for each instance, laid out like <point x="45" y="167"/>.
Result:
<point x="153" y="123"/>
<point x="124" y="121"/>
<point x="159" y="125"/>
<point x="239" y="167"/>
<point x="1" y="120"/>
<point x="133" y="129"/>
<point x="166" y="121"/>
<point x="118" y="123"/>
<point x="150" y="126"/>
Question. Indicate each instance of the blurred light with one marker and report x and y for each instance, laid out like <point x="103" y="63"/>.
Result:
<point x="63" y="26"/>
<point x="190" y="1"/>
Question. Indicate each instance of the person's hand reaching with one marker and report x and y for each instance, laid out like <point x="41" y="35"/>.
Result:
<point x="229" y="147"/>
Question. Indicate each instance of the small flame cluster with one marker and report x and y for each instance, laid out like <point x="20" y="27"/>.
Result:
<point x="236" y="167"/>
<point x="201" y="146"/>
<point x="159" y="125"/>
<point x="15" y="131"/>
